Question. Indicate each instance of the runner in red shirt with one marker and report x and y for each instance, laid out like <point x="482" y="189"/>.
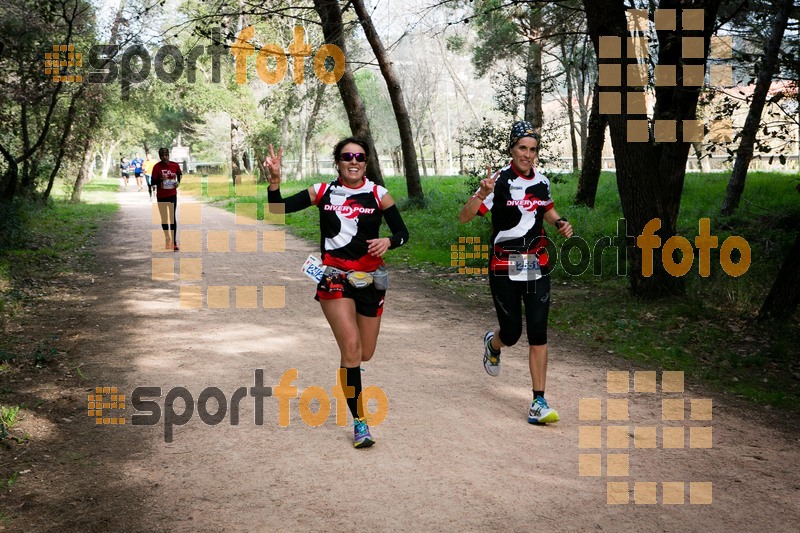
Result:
<point x="351" y="209"/>
<point x="166" y="178"/>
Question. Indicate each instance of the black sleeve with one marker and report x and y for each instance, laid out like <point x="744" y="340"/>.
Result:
<point x="399" y="231"/>
<point x="296" y="202"/>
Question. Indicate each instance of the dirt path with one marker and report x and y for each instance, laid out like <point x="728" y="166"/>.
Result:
<point x="455" y="452"/>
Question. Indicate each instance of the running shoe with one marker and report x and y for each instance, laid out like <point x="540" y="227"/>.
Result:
<point x="491" y="358"/>
<point x="361" y="436"/>
<point x="541" y="413"/>
<point x="176" y="247"/>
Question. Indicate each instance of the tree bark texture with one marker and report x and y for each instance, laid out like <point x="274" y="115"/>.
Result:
<point x="784" y="296"/>
<point x="769" y="65"/>
<point x="592" y="154"/>
<point x="650" y="174"/>
<point x="533" y="82"/>
<point x="413" y="184"/>
<point x="333" y="29"/>
<point x="236" y="168"/>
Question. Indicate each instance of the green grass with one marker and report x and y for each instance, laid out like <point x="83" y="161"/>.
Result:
<point x="40" y="243"/>
<point x="9" y="416"/>
<point x="709" y="332"/>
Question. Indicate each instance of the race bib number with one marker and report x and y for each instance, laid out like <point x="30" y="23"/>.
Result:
<point x="169" y="184"/>
<point x="524" y="267"/>
<point x="313" y="268"/>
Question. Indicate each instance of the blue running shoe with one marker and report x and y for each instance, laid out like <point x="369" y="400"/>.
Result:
<point x="541" y="413"/>
<point x="361" y="436"/>
<point x="491" y="358"/>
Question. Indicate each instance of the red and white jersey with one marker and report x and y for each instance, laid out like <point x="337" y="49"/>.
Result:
<point x="349" y="217"/>
<point x="165" y="178"/>
<point x="518" y="204"/>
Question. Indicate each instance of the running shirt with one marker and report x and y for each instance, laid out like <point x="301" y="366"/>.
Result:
<point x="137" y="165"/>
<point x="347" y="219"/>
<point x="518" y="204"/>
<point x="165" y="178"/>
<point x="148" y="165"/>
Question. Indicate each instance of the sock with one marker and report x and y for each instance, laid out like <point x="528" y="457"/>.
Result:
<point x="491" y="348"/>
<point x="353" y="376"/>
<point x="538" y="394"/>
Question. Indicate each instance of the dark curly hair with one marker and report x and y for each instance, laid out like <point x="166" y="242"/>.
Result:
<point x="337" y="150"/>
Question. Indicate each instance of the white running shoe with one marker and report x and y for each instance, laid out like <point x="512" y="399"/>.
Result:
<point x="541" y="413"/>
<point x="491" y="358"/>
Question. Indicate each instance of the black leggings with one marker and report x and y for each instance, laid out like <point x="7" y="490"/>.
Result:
<point x="508" y="296"/>
<point x="169" y="214"/>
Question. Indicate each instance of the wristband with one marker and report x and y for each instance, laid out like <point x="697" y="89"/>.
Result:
<point x="559" y="221"/>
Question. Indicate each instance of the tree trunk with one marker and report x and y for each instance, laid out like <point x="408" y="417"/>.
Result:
<point x="108" y="158"/>
<point x="703" y="164"/>
<point x="592" y="154"/>
<point x="26" y="181"/>
<point x="236" y="169"/>
<point x="319" y="96"/>
<point x="784" y="296"/>
<point x="650" y="175"/>
<point x="285" y="133"/>
<point x="533" y="81"/>
<point x="62" y="147"/>
<point x="436" y="169"/>
<point x="422" y="157"/>
<point x="301" y="160"/>
<point x="83" y="174"/>
<point x="567" y="59"/>
<point x="582" y="73"/>
<point x="768" y="67"/>
<point x="333" y="30"/>
<point x="413" y="184"/>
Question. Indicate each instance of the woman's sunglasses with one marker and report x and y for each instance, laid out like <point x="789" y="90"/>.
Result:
<point x="348" y="156"/>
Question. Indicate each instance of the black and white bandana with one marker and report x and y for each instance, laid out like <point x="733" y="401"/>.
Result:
<point x="520" y="129"/>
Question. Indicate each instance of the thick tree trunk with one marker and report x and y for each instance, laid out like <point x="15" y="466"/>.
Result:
<point x="592" y="154"/>
<point x="784" y="296"/>
<point x="768" y="67"/>
<point x="10" y="177"/>
<point x="533" y="81"/>
<point x="533" y="67"/>
<point x="650" y="175"/>
<point x="333" y="30"/>
<point x="413" y="184"/>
